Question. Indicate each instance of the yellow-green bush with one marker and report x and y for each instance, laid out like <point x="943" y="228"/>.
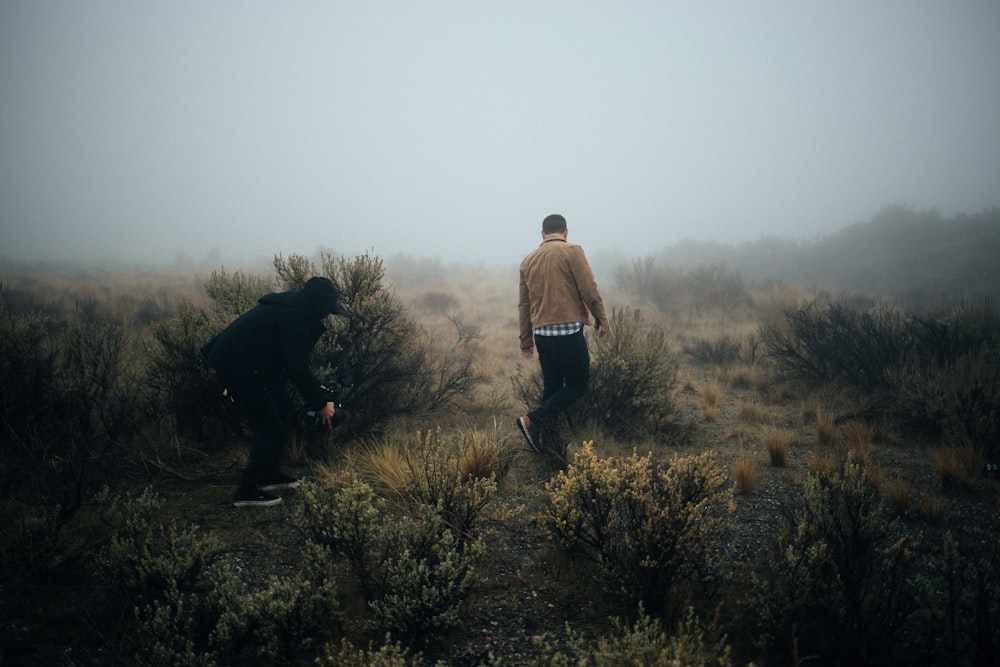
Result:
<point x="654" y="529"/>
<point x="644" y="642"/>
<point x="411" y="569"/>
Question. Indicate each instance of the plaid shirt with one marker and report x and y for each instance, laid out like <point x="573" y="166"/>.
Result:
<point x="564" y="329"/>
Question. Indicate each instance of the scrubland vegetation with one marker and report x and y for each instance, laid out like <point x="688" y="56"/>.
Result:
<point x="761" y="473"/>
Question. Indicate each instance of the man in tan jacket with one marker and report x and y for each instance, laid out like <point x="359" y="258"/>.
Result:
<point x="558" y="295"/>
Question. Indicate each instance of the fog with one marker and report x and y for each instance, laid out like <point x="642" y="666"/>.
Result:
<point x="231" y="130"/>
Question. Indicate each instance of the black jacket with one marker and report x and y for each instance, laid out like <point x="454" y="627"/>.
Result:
<point x="270" y="344"/>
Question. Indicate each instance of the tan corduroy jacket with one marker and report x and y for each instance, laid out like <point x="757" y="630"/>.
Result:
<point x="557" y="286"/>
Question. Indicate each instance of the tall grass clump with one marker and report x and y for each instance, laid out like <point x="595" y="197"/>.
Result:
<point x="653" y="529"/>
<point x="777" y="441"/>
<point x="458" y="473"/>
<point x="837" y="582"/>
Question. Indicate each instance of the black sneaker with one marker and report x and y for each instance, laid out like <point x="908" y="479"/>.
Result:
<point x="530" y="432"/>
<point x="279" y="481"/>
<point x="254" y="498"/>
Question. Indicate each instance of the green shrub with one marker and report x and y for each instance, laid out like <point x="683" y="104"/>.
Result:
<point x="411" y="569"/>
<point x="633" y="382"/>
<point x="722" y="351"/>
<point x="177" y="374"/>
<point x="390" y="654"/>
<point x="837" y="580"/>
<point x="699" y="289"/>
<point x="838" y="343"/>
<point x="952" y="382"/>
<point x="188" y="605"/>
<point x="69" y="411"/>
<point x="643" y="643"/>
<point x="393" y="369"/>
<point x="962" y="600"/>
<point x="654" y="530"/>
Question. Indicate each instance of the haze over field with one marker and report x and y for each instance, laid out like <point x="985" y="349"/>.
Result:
<point x="235" y="130"/>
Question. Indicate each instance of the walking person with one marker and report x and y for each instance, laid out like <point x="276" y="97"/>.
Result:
<point x="254" y="358"/>
<point x="557" y="297"/>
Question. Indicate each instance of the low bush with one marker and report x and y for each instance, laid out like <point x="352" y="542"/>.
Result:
<point x="837" y="582"/>
<point x="185" y="604"/>
<point x="70" y="409"/>
<point x="643" y="642"/>
<point x="653" y="529"/>
<point x="962" y="601"/>
<point x="633" y="382"/>
<point x="411" y="569"/>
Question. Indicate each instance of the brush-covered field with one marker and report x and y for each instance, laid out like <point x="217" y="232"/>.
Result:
<point x="761" y="473"/>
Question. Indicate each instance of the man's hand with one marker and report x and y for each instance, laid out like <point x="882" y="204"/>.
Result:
<point x="527" y="352"/>
<point x="326" y="416"/>
<point x="601" y="331"/>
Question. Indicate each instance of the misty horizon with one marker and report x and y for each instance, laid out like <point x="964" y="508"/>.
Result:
<point x="183" y="132"/>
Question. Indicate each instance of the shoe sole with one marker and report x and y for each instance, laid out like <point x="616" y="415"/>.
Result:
<point x="526" y="432"/>
<point x="257" y="503"/>
<point x="279" y="487"/>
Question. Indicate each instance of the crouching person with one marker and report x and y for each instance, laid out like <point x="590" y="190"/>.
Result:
<point x="254" y="358"/>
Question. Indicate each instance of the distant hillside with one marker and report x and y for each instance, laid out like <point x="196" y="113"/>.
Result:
<point x="915" y="257"/>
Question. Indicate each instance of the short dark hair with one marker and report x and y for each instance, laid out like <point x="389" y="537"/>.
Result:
<point x="553" y="224"/>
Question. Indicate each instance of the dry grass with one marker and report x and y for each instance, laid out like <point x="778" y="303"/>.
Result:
<point x="933" y="508"/>
<point x="778" y="441"/>
<point x="384" y="466"/>
<point x="958" y="466"/>
<point x="898" y="491"/>
<point x="753" y="413"/>
<point x="825" y="465"/>
<point x="745" y="472"/>
<point x="826" y="430"/>
<point x="710" y="395"/>
<point x="859" y="437"/>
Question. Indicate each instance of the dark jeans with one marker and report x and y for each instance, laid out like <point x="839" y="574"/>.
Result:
<point x="269" y="411"/>
<point x="565" y="366"/>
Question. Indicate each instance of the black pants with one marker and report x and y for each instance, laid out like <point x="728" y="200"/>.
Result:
<point x="269" y="411"/>
<point x="565" y="365"/>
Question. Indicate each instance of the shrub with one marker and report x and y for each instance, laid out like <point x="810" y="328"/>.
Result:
<point x="633" y="382"/>
<point x="959" y="399"/>
<point x="652" y="529"/>
<point x="187" y="606"/>
<point x="69" y="409"/>
<point x="644" y="642"/>
<point x="179" y="379"/>
<point x="412" y="570"/>
<point x="395" y="371"/>
<point x="722" y="351"/>
<point x="837" y="343"/>
<point x="963" y="600"/>
<point x="837" y="581"/>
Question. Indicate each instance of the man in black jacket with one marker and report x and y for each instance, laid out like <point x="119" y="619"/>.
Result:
<point x="254" y="358"/>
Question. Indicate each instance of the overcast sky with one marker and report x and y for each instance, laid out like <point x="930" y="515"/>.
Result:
<point x="138" y="130"/>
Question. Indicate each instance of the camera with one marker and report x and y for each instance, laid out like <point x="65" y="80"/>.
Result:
<point x="340" y="413"/>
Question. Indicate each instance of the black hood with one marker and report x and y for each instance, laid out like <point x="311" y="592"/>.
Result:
<point x="322" y="296"/>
